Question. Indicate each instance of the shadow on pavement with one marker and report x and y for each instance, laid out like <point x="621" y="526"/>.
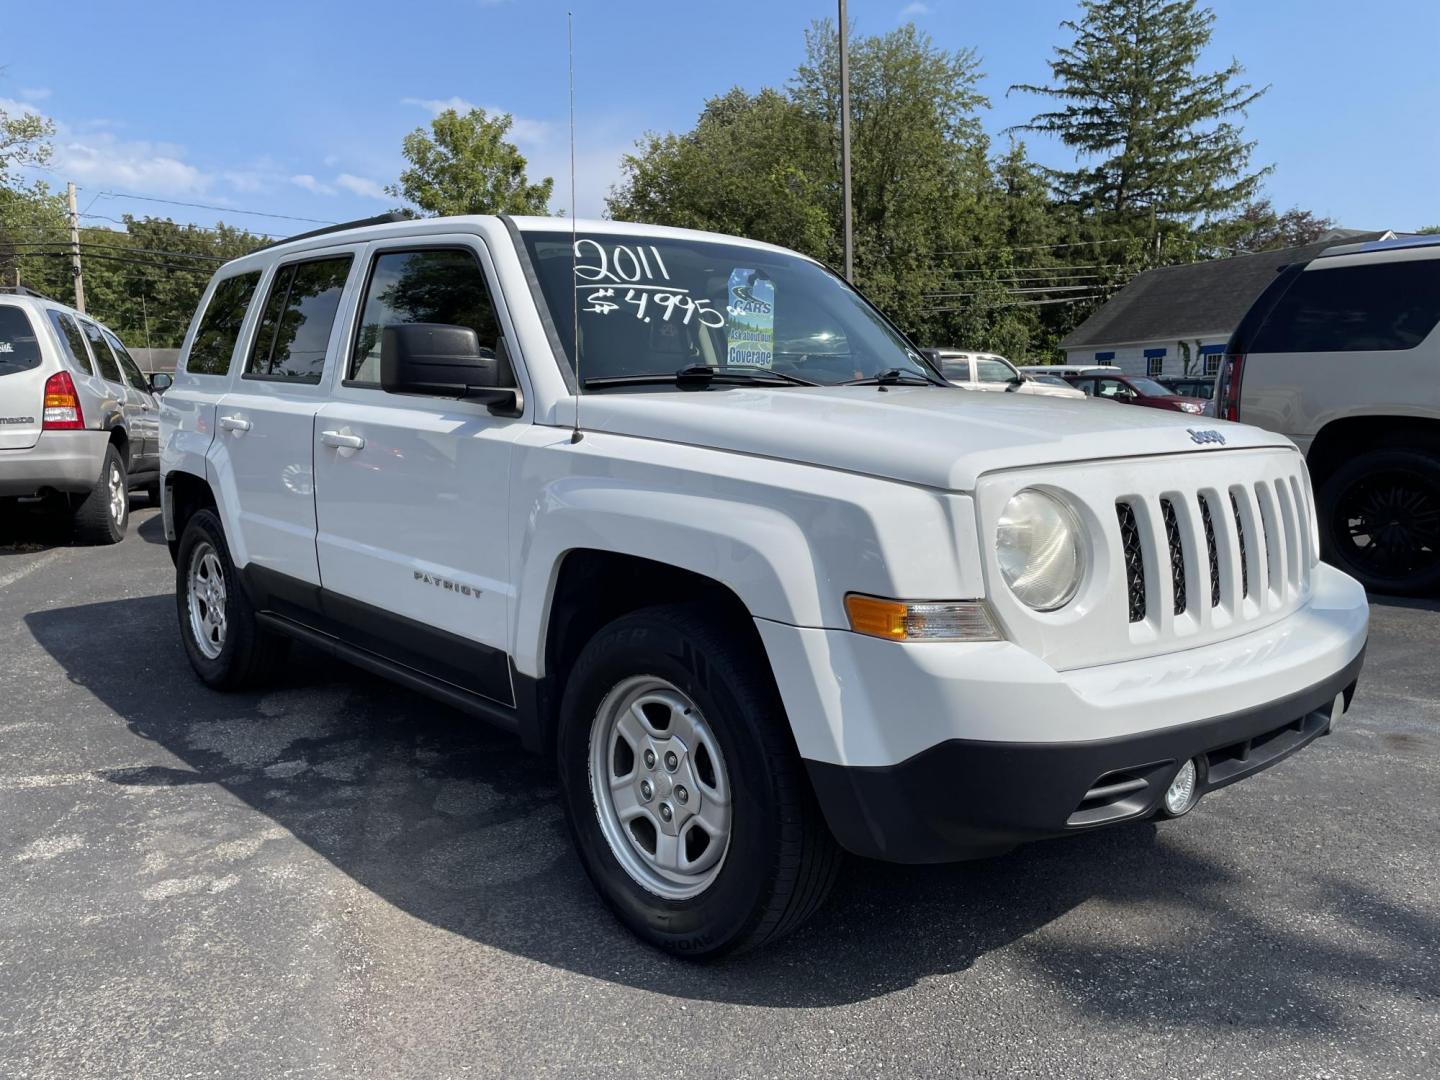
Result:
<point x="454" y="824"/>
<point x="29" y="527"/>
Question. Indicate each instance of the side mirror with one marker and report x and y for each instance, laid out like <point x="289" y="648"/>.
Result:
<point x="160" y="381"/>
<point x="1014" y="383"/>
<point x="439" y="360"/>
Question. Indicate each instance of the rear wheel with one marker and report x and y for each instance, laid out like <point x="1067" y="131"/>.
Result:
<point x="1380" y="520"/>
<point x="687" y="800"/>
<point x="227" y="646"/>
<point x="104" y="513"/>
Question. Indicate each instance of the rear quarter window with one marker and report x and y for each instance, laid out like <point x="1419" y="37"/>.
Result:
<point x="219" y="328"/>
<point x="1375" y="308"/>
<point x="19" y="347"/>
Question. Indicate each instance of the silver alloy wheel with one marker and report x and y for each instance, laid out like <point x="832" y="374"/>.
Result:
<point x="660" y="787"/>
<point x="116" y="485"/>
<point x="207" y="600"/>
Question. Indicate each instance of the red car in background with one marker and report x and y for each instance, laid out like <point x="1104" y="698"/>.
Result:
<point x="1135" y="390"/>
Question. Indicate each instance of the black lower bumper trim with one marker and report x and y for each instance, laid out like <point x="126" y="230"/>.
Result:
<point x="962" y="799"/>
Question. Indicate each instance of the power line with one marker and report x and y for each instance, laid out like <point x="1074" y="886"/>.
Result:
<point x="151" y="263"/>
<point x="1025" y="303"/>
<point x="125" y="248"/>
<point x="1014" y="292"/>
<point x="210" y="206"/>
<point x="1040" y="247"/>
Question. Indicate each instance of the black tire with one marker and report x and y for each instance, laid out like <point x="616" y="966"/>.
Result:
<point x="96" y="520"/>
<point x="781" y="860"/>
<point x="1380" y="520"/>
<point x="248" y="654"/>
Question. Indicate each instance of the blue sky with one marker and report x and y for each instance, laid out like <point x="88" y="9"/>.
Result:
<point x="298" y="108"/>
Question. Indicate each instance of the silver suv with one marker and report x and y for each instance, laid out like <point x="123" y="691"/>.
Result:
<point x="1342" y="354"/>
<point x="79" y="422"/>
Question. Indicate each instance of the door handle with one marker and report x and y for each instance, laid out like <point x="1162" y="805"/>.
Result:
<point x="342" y="440"/>
<point x="234" y="423"/>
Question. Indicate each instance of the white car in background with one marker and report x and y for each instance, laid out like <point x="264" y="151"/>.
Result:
<point x="989" y="371"/>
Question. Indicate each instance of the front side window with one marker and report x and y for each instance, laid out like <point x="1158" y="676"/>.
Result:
<point x="127" y="363"/>
<point x="215" y="338"/>
<point x="19" y="347"/>
<point x="993" y="371"/>
<point x="68" y="331"/>
<point x="438" y="285"/>
<point x="1380" y="307"/>
<point x="653" y="306"/>
<point x="104" y="358"/>
<point x="299" y="315"/>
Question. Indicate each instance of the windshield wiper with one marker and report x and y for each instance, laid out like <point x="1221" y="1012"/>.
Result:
<point x="699" y="376"/>
<point x="893" y="377"/>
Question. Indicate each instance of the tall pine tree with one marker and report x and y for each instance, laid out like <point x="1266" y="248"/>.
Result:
<point x="1157" y="140"/>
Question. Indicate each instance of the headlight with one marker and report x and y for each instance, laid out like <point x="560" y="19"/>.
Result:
<point x="1191" y="407"/>
<point x="1041" y="554"/>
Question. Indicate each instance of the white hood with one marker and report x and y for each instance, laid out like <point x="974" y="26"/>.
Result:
<point x="935" y="436"/>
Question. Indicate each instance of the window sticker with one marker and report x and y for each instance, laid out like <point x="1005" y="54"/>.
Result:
<point x="750" y="320"/>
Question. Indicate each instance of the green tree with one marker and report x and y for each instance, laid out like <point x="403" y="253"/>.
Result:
<point x="466" y="166"/>
<point x="1156" y="137"/>
<point x="1259" y="228"/>
<point x="755" y="166"/>
<point x="24" y="140"/>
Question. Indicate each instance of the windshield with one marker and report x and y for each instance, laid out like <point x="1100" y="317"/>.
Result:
<point x="653" y="305"/>
<point x="1049" y="380"/>
<point x="1150" y="388"/>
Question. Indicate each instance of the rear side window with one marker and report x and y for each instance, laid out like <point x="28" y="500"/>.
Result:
<point x="442" y="285"/>
<point x="104" y="358"/>
<point x="19" y="347"/>
<point x="1375" y="308"/>
<point x="68" y="331"/>
<point x="215" y="338"/>
<point x="299" y="315"/>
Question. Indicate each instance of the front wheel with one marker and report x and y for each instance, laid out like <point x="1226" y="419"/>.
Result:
<point x="686" y="798"/>
<point x="1380" y="520"/>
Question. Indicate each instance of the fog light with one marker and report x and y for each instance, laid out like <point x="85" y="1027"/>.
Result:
<point x="1180" y="795"/>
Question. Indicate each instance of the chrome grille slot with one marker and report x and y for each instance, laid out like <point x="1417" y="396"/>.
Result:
<point x="1134" y="560"/>
<point x="1177" y="554"/>
<point x="1244" y="555"/>
<point x="1290" y="524"/>
<point x="1270" y="529"/>
<point x="1212" y="552"/>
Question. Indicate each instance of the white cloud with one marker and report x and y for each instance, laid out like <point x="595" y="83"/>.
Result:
<point x="360" y="185"/>
<point x="910" y="11"/>
<point x="11" y="106"/>
<point x="35" y="93"/>
<point x="523" y="129"/>
<point x="100" y="159"/>
<point x="310" y="184"/>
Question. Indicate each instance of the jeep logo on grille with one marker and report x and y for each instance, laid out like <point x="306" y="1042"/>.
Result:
<point x="1206" y="436"/>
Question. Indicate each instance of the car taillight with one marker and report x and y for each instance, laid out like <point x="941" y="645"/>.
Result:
<point x="1228" y="394"/>
<point x="62" y="405"/>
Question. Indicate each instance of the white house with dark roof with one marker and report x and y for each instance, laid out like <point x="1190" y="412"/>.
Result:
<point x="1176" y="320"/>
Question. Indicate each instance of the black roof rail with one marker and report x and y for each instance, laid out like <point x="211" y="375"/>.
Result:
<point x="379" y="219"/>
<point x="22" y="290"/>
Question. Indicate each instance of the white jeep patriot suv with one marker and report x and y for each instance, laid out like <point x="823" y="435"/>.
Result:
<point x="690" y="514"/>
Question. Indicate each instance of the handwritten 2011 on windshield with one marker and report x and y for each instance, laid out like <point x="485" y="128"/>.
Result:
<point x="638" y="277"/>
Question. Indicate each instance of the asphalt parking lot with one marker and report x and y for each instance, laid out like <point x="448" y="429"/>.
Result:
<point x="338" y="878"/>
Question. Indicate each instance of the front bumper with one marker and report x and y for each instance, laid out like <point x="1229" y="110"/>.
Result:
<point x="966" y="799"/>
<point x="59" y="461"/>
<point x="933" y="752"/>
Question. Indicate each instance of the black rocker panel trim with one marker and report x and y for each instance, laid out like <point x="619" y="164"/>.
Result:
<point x="433" y="654"/>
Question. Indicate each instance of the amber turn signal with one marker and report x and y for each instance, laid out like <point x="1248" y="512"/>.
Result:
<point x="930" y="620"/>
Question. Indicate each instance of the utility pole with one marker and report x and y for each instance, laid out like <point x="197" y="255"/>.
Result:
<point x="75" y="248"/>
<point x="845" y="143"/>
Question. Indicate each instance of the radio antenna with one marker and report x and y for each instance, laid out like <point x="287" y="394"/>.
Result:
<point x="574" y="234"/>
